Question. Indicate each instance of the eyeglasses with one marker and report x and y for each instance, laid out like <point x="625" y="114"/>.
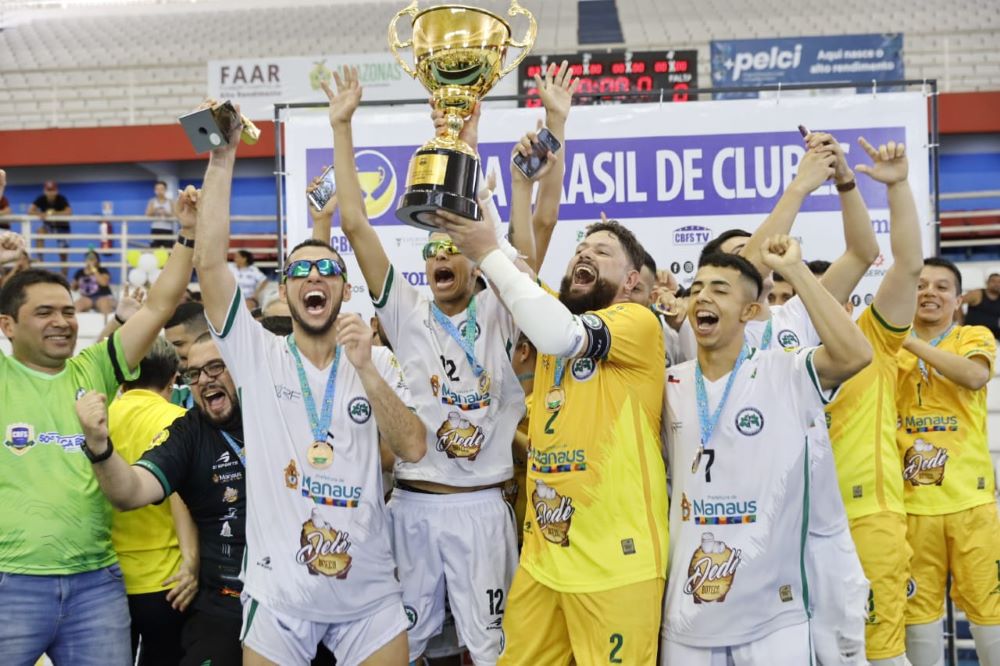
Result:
<point x="212" y="369"/>
<point x="303" y="267"/>
<point x="433" y="247"/>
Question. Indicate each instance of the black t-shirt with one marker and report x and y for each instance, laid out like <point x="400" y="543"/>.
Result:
<point x="89" y="286"/>
<point x="43" y="204"/>
<point x="197" y="462"/>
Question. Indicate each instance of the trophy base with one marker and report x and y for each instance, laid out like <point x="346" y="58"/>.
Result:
<point x="439" y="178"/>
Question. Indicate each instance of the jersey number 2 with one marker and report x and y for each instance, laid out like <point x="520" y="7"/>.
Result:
<point x="449" y="368"/>
<point x="617" y="641"/>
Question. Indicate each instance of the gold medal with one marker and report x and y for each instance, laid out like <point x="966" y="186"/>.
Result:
<point x="484" y="383"/>
<point x="320" y="455"/>
<point x="554" y="398"/>
<point x="697" y="459"/>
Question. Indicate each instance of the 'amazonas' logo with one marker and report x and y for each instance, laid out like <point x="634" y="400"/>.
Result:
<point x="378" y="182"/>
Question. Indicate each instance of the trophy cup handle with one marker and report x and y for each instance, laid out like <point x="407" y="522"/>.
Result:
<point x="526" y="43"/>
<point x="394" y="42"/>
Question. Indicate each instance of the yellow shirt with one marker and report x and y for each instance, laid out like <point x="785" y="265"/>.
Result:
<point x="145" y="539"/>
<point x="941" y="432"/>
<point x="862" y="424"/>
<point x="596" y="484"/>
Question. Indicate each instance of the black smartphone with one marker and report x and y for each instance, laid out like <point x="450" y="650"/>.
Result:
<point x="326" y="189"/>
<point x="531" y="165"/>
<point x="803" y="131"/>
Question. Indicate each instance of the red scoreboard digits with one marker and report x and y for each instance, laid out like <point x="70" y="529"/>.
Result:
<point x="605" y="76"/>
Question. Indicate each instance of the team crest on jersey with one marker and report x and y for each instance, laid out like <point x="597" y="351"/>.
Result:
<point x="583" y="369"/>
<point x="554" y="513"/>
<point x="923" y="464"/>
<point x="749" y="421"/>
<point x="788" y="339"/>
<point x="462" y="326"/>
<point x="160" y="438"/>
<point x="324" y="550"/>
<point x="458" y="438"/>
<point x="592" y="321"/>
<point x="20" y="437"/>
<point x="411" y="617"/>
<point x="712" y="570"/>
<point x="291" y="475"/>
<point x="230" y="495"/>
<point x="359" y="409"/>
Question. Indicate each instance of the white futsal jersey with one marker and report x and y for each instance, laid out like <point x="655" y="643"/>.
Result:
<point x="470" y="420"/>
<point x="317" y="528"/>
<point x="737" y="529"/>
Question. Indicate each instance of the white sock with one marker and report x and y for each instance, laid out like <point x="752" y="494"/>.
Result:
<point x="925" y="644"/>
<point x="987" y="639"/>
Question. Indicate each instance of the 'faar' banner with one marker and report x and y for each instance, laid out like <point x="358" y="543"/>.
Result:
<point x="676" y="174"/>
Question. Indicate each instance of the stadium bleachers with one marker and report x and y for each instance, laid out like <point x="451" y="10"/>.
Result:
<point x="66" y="69"/>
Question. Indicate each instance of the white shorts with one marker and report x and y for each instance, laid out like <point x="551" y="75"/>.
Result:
<point x="288" y="640"/>
<point x="838" y="599"/>
<point x="468" y="540"/>
<point x="785" y="646"/>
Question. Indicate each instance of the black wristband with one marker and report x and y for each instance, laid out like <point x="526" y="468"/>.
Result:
<point x="846" y="187"/>
<point x="185" y="241"/>
<point x="121" y="322"/>
<point x="101" y="458"/>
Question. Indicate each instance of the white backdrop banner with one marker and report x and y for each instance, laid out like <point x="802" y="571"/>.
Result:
<point x="676" y="174"/>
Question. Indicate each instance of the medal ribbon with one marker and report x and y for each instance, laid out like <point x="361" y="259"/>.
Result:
<point x="238" y="449"/>
<point x="466" y="342"/>
<point x="933" y="343"/>
<point x="560" y="371"/>
<point x="319" y="424"/>
<point x="707" y="424"/>
<point x="765" y="340"/>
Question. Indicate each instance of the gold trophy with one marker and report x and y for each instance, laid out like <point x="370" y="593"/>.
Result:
<point x="458" y="55"/>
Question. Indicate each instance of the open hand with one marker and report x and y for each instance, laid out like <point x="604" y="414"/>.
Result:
<point x="889" y="163"/>
<point x="130" y="302"/>
<point x="474" y="238"/>
<point x="183" y="593"/>
<point x="556" y="91"/>
<point x="345" y="101"/>
<point x="187" y="209"/>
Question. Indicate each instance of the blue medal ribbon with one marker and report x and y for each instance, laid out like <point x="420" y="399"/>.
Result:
<point x="560" y="371"/>
<point x="933" y="343"/>
<point x="765" y="340"/>
<point x="707" y="424"/>
<point x="320" y="423"/>
<point x="238" y="449"/>
<point x="466" y="342"/>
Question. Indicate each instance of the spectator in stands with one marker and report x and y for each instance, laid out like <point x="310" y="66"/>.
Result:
<point x="781" y="292"/>
<point x="161" y="209"/>
<point x="249" y="278"/>
<point x="157" y="545"/>
<point x="984" y="304"/>
<point x="93" y="281"/>
<point x="62" y="592"/>
<point x="4" y="204"/>
<point x="50" y="204"/>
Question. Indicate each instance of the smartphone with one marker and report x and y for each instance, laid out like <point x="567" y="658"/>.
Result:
<point x="803" y="131"/>
<point x="327" y="188"/>
<point x="531" y="165"/>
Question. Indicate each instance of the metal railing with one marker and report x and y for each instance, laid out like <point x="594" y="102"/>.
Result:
<point x="949" y="232"/>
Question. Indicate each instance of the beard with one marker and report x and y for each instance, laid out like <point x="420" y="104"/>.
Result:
<point x="601" y="295"/>
<point x="311" y="329"/>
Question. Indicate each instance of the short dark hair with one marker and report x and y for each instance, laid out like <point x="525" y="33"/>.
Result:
<point x="649" y="262"/>
<point x="315" y="242"/>
<point x="633" y="248"/>
<point x="941" y="262"/>
<point x="160" y="182"/>
<point x="190" y="315"/>
<point x="277" y="324"/>
<point x="157" y="369"/>
<point x="246" y="254"/>
<point x="738" y="263"/>
<point x="778" y="277"/>
<point x="14" y="292"/>
<point x="715" y="245"/>
<point x="818" y="267"/>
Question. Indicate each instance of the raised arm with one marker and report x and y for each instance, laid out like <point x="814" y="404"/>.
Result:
<point x="859" y="236"/>
<point x="139" y="332"/>
<point x="815" y="168"/>
<point x="126" y="487"/>
<point x="896" y="298"/>
<point x="354" y="222"/>
<point x="556" y="91"/>
<point x="322" y="219"/>
<point x="399" y="428"/>
<point x="211" y="257"/>
<point x="845" y="350"/>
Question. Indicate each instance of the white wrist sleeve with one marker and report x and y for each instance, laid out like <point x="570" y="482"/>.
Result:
<point x="492" y="216"/>
<point x="550" y="326"/>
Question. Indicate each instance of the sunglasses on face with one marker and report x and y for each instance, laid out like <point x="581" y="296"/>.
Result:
<point x="212" y="369"/>
<point x="303" y="267"/>
<point x="433" y="247"/>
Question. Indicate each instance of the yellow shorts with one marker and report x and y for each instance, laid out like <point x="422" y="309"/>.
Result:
<point x="967" y="544"/>
<point x="618" y="626"/>
<point x="880" y="539"/>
